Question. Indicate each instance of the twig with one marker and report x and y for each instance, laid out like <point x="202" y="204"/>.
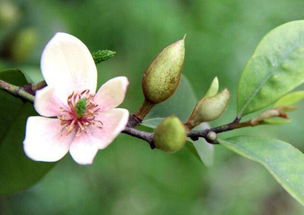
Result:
<point x="134" y="121"/>
<point x="195" y="135"/>
<point x="147" y="136"/>
<point x="16" y="91"/>
<point x="136" y="118"/>
<point x="236" y="124"/>
<point x="24" y="93"/>
<point x="38" y="86"/>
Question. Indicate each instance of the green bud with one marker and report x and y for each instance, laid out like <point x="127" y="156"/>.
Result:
<point x="162" y="77"/>
<point x="209" y="108"/>
<point x="170" y="135"/>
<point x="103" y="55"/>
<point x="213" y="89"/>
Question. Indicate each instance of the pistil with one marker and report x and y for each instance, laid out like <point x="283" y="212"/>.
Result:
<point x="80" y="114"/>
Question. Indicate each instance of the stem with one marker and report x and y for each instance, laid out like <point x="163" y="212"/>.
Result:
<point x="195" y="135"/>
<point x="135" y="119"/>
<point x="147" y="136"/>
<point x="144" y="109"/>
<point x="236" y="124"/>
<point x="16" y="91"/>
<point x="38" y="86"/>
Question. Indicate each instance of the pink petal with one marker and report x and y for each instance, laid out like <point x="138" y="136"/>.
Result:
<point x="112" y="93"/>
<point x="114" y="121"/>
<point x="83" y="149"/>
<point x="67" y="64"/>
<point x="43" y="139"/>
<point x="47" y="103"/>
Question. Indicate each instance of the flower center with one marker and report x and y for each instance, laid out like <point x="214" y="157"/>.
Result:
<point x="81" y="107"/>
<point x="80" y="114"/>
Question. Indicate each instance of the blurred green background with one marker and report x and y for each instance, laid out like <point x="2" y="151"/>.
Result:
<point x="128" y="177"/>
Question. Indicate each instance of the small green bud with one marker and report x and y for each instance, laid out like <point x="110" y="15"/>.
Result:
<point x="102" y="55"/>
<point x="213" y="89"/>
<point x="170" y="135"/>
<point x="162" y="77"/>
<point x="209" y="108"/>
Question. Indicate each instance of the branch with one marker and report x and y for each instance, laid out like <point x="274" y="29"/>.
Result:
<point x="27" y="92"/>
<point x="208" y="134"/>
<point x="236" y="124"/>
<point x="17" y="91"/>
<point x="38" y="86"/>
<point x="194" y="135"/>
<point x="147" y="136"/>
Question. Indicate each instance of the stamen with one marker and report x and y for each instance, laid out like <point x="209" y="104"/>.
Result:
<point x="80" y="114"/>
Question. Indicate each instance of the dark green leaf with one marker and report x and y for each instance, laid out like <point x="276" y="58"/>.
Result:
<point x="275" y="68"/>
<point x="281" y="159"/>
<point x="17" y="172"/>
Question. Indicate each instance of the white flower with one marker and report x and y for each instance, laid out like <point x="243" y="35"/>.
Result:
<point x="74" y="118"/>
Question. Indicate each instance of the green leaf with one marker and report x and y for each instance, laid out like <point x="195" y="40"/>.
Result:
<point x="281" y="159"/>
<point x="152" y="123"/>
<point x="17" y="172"/>
<point x="203" y="150"/>
<point x="275" y="68"/>
<point x="276" y="121"/>
<point x="290" y="99"/>
<point x="32" y="74"/>
<point x="181" y="105"/>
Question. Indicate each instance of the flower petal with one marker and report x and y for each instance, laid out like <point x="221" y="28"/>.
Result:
<point x="112" y="93"/>
<point x="114" y="121"/>
<point x="68" y="65"/>
<point x="47" y="103"/>
<point x="43" y="139"/>
<point x="83" y="149"/>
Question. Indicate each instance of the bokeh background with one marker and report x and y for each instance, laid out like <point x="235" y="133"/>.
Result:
<point x="128" y="177"/>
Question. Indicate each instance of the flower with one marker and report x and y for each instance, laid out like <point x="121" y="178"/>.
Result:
<point x="73" y="118"/>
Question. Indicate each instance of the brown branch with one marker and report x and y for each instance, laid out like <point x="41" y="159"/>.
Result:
<point x="147" y="136"/>
<point x="194" y="135"/>
<point x="38" y="86"/>
<point x="27" y="92"/>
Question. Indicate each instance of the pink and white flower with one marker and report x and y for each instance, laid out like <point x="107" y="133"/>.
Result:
<point x="73" y="118"/>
